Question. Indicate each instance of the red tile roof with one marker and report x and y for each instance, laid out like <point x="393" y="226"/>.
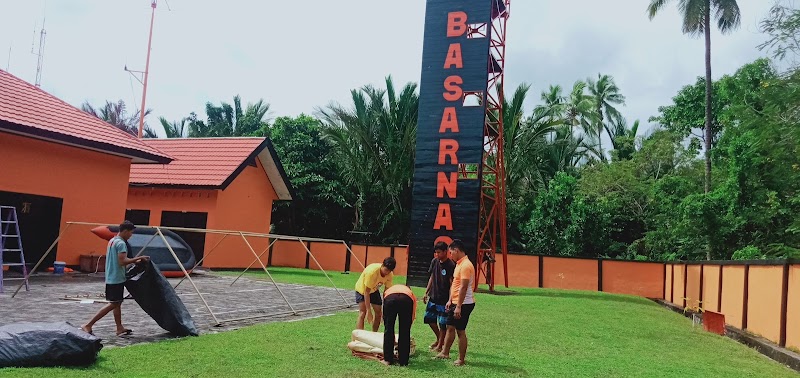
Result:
<point x="28" y="110"/>
<point x="207" y="162"/>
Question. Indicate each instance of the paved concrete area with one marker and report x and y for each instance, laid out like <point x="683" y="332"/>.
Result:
<point x="46" y="302"/>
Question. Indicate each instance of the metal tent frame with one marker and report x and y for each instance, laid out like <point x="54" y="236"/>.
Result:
<point x="257" y="259"/>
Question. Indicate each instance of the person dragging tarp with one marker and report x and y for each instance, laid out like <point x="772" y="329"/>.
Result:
<point x="116" y="261"/>
<point x="368" y="295"/>
<point x="399" y="304"/>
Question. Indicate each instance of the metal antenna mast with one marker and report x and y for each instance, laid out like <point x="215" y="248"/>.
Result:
<point x="40" y="54"/>
<point x="146" y="71"/>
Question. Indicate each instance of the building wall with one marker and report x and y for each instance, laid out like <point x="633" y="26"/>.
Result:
<point x="93" y="186"/>
<point x="245" y="205"/>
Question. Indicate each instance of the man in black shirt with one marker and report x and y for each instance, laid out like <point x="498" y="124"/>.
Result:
<point x="438" y="292"/>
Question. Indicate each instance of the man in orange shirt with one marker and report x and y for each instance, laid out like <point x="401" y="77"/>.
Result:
<point x="461" y="304"/>
<point x="399" y="303"/>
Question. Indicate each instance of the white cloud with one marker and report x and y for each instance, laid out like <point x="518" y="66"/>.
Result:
<point x="301" y="54"/>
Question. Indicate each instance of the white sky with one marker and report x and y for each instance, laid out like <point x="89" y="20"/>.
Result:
<point x="301" y="54"/>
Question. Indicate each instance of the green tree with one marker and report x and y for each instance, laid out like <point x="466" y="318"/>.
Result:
<point x="117" y="115"/>
<point x="579" y="108"/>
<point x="230" y="121"/>
<point x="563" y="223"/>
<point x="623" y="138"/>
<point x="605" y="95"/>
<point x="782" y="26"/>
<point x="321" y="196"/>
<point x="374" y="144"/>
<point x="696" y="21"/>
<point x="174" y="129"/>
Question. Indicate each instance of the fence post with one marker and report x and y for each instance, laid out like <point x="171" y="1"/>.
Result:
<point x="269" y="258"/>
<point x="784" y="303"/>
<point x="391" y="250"/>
<point x="746" y="295"/>
<point x="308" y="245"/>
<point x="719" y="290"/>
<point x="347" y="256"/>
<point x="672" y="282"/>
<point x="599" y="274"/>
<point x="685" y="274"/>
<point x="664" y="283"/>
<point x="702" y="283"/>
<point x="541" y="271"/>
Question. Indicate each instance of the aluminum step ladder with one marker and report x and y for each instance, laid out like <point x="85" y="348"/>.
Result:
<point x="11" y="243"/>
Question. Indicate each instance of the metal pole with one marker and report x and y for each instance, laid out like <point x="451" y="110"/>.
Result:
<point x="252" y="263"/>
<point x="323" y="270"/>
<point x="270" y="275"/>
<point x="186" y="274"/>
<point x="146" y="71"/>
<point x="284" y="313"/>
<point x="223" y="232"/>
<point x="27" y="276"/>
<point x="201" y="260"/>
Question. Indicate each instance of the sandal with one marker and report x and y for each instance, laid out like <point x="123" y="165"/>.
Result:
<point x="126" y="332"/>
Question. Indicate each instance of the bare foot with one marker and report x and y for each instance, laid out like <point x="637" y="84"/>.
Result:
<point x="437" y="349"/>
<point x="441" y="356"/>
<point x="87" y="329"/>
<point x="434" y="345"/>
<point x="458" y="363"/>
<point x="387" y="363"/>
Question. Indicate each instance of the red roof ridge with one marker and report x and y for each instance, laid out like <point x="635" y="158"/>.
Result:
<point x="32" y="121"/>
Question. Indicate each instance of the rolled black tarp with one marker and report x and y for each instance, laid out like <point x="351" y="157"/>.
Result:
<point x="46" y="344"/>
<point x="158" y="299"/>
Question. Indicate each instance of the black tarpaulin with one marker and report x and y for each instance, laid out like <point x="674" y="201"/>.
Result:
<point x="46" y="344"/>
<point x="158" y="299"/>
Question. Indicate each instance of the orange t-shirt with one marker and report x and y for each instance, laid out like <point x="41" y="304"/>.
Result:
<point x="403" y="289"/>
<point x="464" y="270"/>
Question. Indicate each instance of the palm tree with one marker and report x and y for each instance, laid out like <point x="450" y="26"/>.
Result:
<point x="374" y="142"/>
<point x="579" y="108"/>
<point x="174" y="129"/>
<point x="696" y="21"/>
<point x="623" y="138"/>
<point x="605" y="94"/>
<point x="525" y="140"/>
<point x="116" y="114"/>
<point x="229" y="121"/>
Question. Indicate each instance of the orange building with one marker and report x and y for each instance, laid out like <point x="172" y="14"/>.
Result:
<point x="60" y="164"/>
<point x="213" y="183"/>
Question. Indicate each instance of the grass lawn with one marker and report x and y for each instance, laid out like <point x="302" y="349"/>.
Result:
<point x="535" y="333"/>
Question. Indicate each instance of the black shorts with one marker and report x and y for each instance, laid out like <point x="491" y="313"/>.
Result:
<point x="375" y="298"/>
<point x="115" y="292"/>
<point x="459" y="324"/>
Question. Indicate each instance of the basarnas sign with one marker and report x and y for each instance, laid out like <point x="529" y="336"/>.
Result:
<point x="452" y="109"/>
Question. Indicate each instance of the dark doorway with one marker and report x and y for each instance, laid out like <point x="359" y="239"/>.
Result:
<point x="39" y="224"/>
<point x="138" y="217"/>
<point x="196" y="240"/>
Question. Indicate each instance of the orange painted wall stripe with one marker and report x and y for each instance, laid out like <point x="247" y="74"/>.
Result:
<point x="576" y="274"/>
<point x="764" y="301"/>
<point x="733" y="294"/>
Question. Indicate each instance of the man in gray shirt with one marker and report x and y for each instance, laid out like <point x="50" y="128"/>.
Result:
<point x="116" y="261"/>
